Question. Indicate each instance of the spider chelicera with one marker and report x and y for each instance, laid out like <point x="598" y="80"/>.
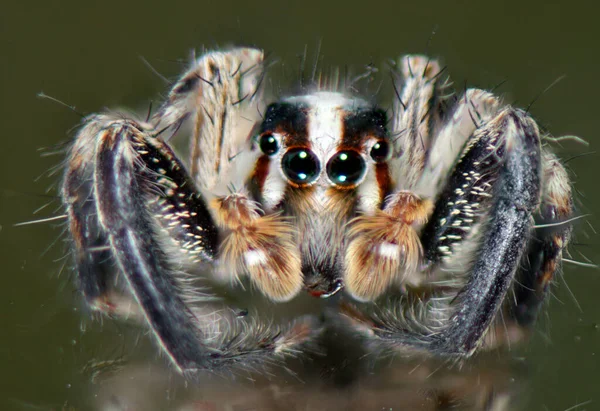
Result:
<point x="415" y="224"/>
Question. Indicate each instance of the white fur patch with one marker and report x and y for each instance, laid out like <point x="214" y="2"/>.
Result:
<point x="388" y="250"/>
<point x="255" y="257"/>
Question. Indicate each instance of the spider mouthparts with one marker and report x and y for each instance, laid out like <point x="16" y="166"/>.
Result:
<point x="324" y="289"/>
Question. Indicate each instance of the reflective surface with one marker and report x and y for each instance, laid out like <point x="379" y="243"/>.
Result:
<point x="88" y="56"/>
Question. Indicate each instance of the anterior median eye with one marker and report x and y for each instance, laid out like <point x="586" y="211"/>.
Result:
<point x="268" y="144"/>
<point x="380" y="151"/>
<point x="346" y="168"/>
<point x="300" y="165"/>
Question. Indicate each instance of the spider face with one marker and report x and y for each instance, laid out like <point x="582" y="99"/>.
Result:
<point x="323" y="140"/>
<point x="422" y="223"/>
<point x="321" y="158"/>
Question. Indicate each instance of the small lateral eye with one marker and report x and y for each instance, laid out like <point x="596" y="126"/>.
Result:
<point x="300" y="165"/>
<point x="380" y="151"/>
<point x="268" y="144"/>
<point x="346" y="168"/>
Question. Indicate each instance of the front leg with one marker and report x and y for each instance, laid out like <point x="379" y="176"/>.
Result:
<point x="384" y="246"/>
<point x="514" y="198"/>
<point x="139" y="192"/>
<point x="131" y="204"/>
<point x="489" y="199"/>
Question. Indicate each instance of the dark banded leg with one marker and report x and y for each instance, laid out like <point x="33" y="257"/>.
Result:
<point x="468" y="194"/>
<point x="93" y="259"/>
<point x="516" y="196"/>
<point x="473" y="110"/>
<point x="505" y="156"/>
<point x="544" y="255"/>
<point x="140" y="191"/>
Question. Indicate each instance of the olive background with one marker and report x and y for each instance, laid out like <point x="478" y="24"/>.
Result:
<point x="87" y="54"/>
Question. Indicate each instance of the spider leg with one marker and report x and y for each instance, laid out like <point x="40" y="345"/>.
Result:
<point x="103" y="197"/>
<point x="418" y="113"/>
<point x="516" y="195"/>
<point x="220" y="99"/>
<point x="92" y="255"/>
<point x="544" y="254"/>
<point x="497" y="176"/>
<point x="131" y="203"/>
<point x="121" y="211"/>
<point x="136" y="178"/>
<point x="464" y="188"/>
<point x="384" y="246"/>
<point x="542" y="261"/>
<point x="474" y="109"/>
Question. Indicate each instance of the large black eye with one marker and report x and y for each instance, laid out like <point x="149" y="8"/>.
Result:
<point x="380" y="151"/>
<point x="346" y="168"/>
<point x="268" y="144"/>
<point x="300" y="165"/>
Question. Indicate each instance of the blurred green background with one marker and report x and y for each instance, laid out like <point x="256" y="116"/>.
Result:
<point x="86" y="53"/>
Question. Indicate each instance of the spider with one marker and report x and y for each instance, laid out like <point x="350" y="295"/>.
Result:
<point x="425" y="228"/>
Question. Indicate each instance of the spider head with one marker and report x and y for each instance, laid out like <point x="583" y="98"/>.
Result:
<point x="322" y="158"/>
<point x="320" y="144"/>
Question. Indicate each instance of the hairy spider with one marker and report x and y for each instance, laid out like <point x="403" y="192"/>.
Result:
<point x="419" y="224"/>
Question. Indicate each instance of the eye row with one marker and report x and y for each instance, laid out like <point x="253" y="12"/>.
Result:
<point x="301" y="165"/>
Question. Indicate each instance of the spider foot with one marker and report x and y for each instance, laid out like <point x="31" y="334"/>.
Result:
<point x="384" y="245"/>
<point x="261" y="246"/>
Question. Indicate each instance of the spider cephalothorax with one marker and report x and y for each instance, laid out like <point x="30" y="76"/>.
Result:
<point x="433" y="202"/>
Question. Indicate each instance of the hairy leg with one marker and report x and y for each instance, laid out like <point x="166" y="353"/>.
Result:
<point x="552" y="234"/>
<point x="134" y="211"/>
<point x="497" y="177"/>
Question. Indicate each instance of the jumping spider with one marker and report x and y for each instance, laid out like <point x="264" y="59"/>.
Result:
<point x="419" y="220"/>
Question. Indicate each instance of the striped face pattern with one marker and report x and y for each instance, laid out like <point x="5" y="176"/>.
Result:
<point x="322" y="159"/>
